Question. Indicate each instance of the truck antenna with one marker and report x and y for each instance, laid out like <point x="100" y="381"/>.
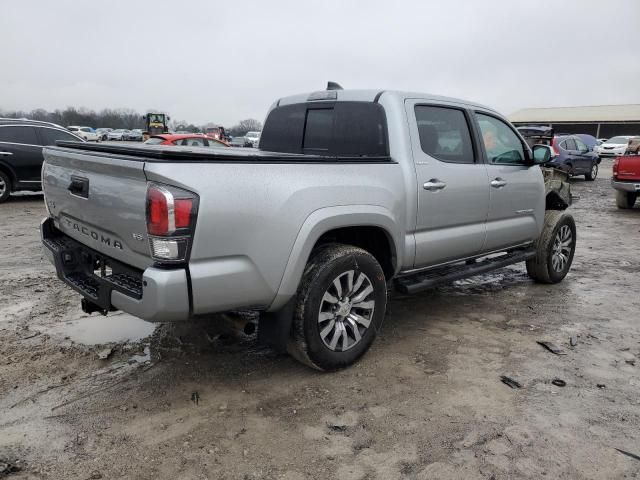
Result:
<point x="334" y="86"/>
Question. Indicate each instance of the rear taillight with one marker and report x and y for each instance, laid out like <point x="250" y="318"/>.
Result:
<point x="554" y="146"/>
<point x="615" y="167"/>
<point x="171" y="218"/>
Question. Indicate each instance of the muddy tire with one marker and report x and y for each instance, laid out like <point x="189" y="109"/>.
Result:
<point x="5" y="187"/>
<point x="554" y="249"/>
<point x="625" y="199"/>
<point x="340" y="306"/>
<point x="593" y="173"/>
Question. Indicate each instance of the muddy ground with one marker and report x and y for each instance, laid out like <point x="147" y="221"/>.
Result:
<point x="199" y="401"/>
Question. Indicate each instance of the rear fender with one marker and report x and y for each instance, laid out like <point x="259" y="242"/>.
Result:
<point x="322" y="221"/>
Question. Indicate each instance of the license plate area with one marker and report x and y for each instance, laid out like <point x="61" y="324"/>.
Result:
<point x="89" y="272"/>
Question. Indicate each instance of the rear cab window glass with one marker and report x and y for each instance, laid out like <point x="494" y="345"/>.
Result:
<point x="444" y="134"/>
<point x="502" y="145"/>
<point x="318" y="129"/>
<point x="19" y="134"/>
<point x="353" y="129"/>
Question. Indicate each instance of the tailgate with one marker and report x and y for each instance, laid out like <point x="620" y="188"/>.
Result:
<point x="99" y="200"/>
<point x="629" y="168"/>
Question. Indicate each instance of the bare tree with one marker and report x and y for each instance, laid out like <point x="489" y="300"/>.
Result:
<point x="244" y="126"/>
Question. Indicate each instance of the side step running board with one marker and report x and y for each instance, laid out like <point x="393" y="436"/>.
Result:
<point x="441" y="275"/>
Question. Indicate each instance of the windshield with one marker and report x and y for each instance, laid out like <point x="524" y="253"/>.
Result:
<point x="623" y="140"/>
<point x="154" y="141"/>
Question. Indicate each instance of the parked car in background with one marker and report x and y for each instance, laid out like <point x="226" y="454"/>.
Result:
<point x="614" y="146"/>
<point x="21" y="143"/>
<point x="573" y="156"/>
<point x="626" y="179"/>
<point x="118" y="134"/>
<point x="87" y="133"/>
<point x="186" y="140"/>
<point x="254" y="138"/>
<point x="241" y="142"/>
<point x="102" y="132"/>
<point x="135" y="135"/>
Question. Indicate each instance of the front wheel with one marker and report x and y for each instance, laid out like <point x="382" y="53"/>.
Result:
<point x="591" y="176"/>
<point x="625" y="200"/>
<point x="340" y="307"/>
<point x="554" y="248"/>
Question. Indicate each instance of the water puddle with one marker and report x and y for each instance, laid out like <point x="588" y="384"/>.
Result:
<point x="97" y="329"/>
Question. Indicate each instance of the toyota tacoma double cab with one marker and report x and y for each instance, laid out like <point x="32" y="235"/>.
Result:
<point x="352" y="193"/>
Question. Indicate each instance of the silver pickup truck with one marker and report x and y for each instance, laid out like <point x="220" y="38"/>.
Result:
<point x="351" y="193"/>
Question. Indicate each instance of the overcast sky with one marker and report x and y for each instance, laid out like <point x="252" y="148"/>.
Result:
<point x="219" y="61"/>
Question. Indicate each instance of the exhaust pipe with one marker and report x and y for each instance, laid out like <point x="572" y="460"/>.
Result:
<point x="241" y="324"/>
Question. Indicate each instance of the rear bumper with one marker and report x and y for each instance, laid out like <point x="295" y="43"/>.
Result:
<point x="156" y="295"/>
<point x="628" y="186"/>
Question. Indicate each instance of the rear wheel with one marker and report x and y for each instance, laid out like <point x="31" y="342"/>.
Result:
<point x="554" y="248"/>
<point x="591" y="176"/>
<point x="625" y="199"/>
<point x="5" y="187"/>
<point x="340" y="306"/>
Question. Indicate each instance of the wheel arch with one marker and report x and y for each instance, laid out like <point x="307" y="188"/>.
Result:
<point x="554" y="201"/>
<point x="367" y="226"/>
<point x="7" y="170"/>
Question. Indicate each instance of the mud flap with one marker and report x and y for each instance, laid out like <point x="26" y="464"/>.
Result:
<point x="274" y="328"/>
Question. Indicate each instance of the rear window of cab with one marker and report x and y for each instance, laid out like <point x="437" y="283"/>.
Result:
<point x="354" y="129"/>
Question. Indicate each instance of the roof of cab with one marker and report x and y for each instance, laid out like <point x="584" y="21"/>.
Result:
<point x="374" y="95"/>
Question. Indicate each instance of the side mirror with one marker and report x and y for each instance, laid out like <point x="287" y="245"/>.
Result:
<point x="542" y="154"/>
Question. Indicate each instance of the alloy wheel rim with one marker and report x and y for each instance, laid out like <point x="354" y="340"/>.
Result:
<point x="594" y="171"/>
<point x="562" y="246"/>
<point x="3" y="187"/>
<point x="346" y="310"/>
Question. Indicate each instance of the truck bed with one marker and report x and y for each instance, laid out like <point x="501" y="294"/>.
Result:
<point x="166" y="153"/>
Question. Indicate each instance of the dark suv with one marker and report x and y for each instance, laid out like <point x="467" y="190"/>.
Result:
<point x="21" y="143"/>
<point x="574" y="156"/>
<point x="570" y="152"/>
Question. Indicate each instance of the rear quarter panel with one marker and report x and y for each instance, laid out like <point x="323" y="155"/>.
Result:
<point x="252" y="214"/>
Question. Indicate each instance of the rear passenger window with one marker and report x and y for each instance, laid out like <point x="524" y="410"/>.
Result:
<point x="50" y="136"/>
<point x="19" y="134"/>
<point x="318" y="129"/>
<point x="570" y="144"/>
<point x="444" y="134"/>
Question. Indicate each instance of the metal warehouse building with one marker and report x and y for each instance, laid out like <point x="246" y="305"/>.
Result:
<point x="601" y="121"/>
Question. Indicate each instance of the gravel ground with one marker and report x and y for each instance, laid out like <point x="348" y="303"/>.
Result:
<point x="199" y="400"/>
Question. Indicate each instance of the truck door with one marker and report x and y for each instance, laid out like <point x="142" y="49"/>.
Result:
<point x="453" y="190"/>
<point x="517" y="200"/>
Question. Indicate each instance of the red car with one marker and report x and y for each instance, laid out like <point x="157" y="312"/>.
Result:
<point x="626" y="180"/>
<point x="186" y="140"/>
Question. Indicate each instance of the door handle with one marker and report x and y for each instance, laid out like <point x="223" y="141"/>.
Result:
<point x="6" y="154"/>
<point x="498" y="183"/>
<point x="434" y="185"/>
